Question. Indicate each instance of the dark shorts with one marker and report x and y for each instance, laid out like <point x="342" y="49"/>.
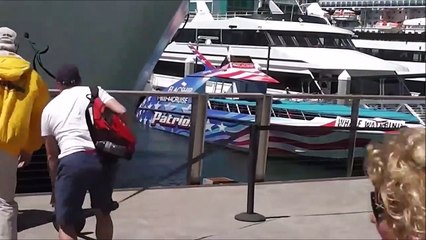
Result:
<point x="78" y="173"/>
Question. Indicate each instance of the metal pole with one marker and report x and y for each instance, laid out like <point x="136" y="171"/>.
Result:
<point x="258" y="150"/>
<point x="252" y="168"/>
<point x="250" y="215"/>
<point x="267" y="61"/>
<point x="196" y="138"/>
<point x="352" y="136"/>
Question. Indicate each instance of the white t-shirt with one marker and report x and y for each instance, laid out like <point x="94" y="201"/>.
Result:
<point x="65" y="119"/>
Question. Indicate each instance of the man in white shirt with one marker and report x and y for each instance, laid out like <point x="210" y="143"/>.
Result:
<point x="76" y="168"/>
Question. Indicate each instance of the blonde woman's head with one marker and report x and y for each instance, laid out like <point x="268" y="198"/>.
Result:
<point x="397" y="170"/>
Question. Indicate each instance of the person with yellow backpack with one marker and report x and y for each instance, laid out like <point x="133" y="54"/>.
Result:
<point x="23" y="96"/>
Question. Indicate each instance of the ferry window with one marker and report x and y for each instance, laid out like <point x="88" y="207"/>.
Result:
<point x="289" y="41"/>
<point x="338" y="42"/>
<point x="213" y="34"/>
<point x="231" y="36"/>
<point x="169" y="68"/>
<point x="375" y="52"/>
<point x="416" y="57"/>
<point x="185" y="35"/>
<point x="399" y="55"/>
<point x="275" y="40"/>
<point x="329" y="42"/>
<point x="233" y="108"/>
<point x="392" y="86"/>
<point x="313" y="41"/>
<point x="305" y="39"/>
<point x="244" y="37"/>
<point x="281" y="41"/>
<point x="301" y="41"/>
<point x="261" y="39"/>
<point x="347" y="43"/>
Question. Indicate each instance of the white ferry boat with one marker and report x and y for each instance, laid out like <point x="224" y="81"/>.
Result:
<point x="301" y="50"/>
<point x="392" y="30"/>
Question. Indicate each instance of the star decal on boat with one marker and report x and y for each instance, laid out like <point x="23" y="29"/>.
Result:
<point x="186" y="109"/>
<point x="209" y="125"/>
<point x="169" y="107"/>
<point x="222" y="127"/>
<point x="157" y="105"/>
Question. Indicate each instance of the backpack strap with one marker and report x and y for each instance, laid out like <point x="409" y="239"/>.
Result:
<point x="94" y="92"/>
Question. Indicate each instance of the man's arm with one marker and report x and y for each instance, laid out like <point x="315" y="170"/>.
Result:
<point x="116" y="107"/>
<point x="52" y="153"/>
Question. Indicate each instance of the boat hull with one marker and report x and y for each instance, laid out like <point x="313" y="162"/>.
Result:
<point x="284" y="140"/>
<point x="115" y="44"/>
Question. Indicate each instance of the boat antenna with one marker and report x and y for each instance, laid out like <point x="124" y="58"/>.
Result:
<point x="37" y="55"/>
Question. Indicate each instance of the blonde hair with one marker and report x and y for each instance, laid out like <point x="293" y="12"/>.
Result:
<point x="397" y="170"/>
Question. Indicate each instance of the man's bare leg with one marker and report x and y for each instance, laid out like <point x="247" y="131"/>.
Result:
<point x="104" y="225"/>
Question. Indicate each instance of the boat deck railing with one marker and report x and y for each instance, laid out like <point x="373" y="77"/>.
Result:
<point x="358" y="4"/>
<point x="229" y="14"/>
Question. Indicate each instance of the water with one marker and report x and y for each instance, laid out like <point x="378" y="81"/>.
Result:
<point x="160" y="153"/>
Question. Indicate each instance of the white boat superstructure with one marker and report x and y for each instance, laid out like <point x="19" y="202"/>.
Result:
<point x="306" y="52"/>
<point x="415" y="25"/>
<point x="391" y="30"/>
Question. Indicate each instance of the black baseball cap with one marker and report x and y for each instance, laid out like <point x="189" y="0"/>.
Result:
<point x="68" y="74"/>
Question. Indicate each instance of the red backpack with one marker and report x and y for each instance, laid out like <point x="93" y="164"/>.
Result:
<point x="113" y="139"/>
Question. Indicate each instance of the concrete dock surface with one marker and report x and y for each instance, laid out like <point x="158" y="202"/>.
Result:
<point x="330" y="209"/>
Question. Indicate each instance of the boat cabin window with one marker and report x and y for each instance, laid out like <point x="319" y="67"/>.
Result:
<point x="212" y="34"/>
<point x="185" y="35"/>
<point x="396" y="55"/>
<point x="262" y="38"/>
<point x="244" y="37"/>
<point x="376" y="86"/>
<point x="306" y="39"/>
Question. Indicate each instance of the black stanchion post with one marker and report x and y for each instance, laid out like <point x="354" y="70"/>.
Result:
<point x="352" y="136"/>
<point x="250" y="215"/>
